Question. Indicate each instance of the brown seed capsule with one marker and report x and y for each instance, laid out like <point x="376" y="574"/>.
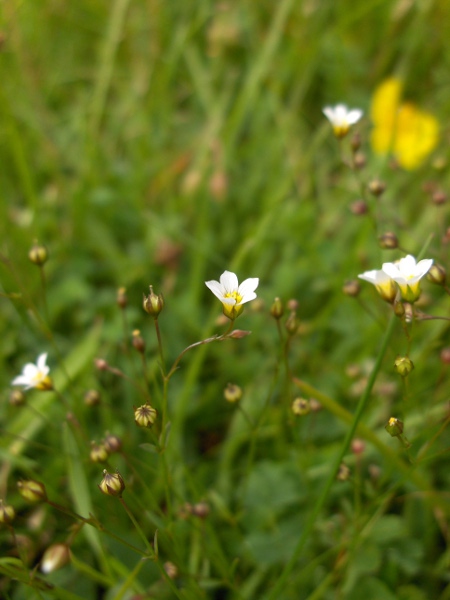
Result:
<point x="17" y="398"/>
<point x="388" y="241"/>
<point x="359" y="160"/>
<point x="122" y="299"/>
<point x="138" y="341"/>
<point x="351" y="288"/>
<point x="112" y="443"/>
<point x="92" y="398"/>
<point x="153" y="303"/>
<point x="437" y="274"/>
<point x="376" y="187"/>
<point x="359" y="208"/>
<point x="98" y="453"/>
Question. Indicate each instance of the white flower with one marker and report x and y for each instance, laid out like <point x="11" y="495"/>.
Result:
<point x="231" y="294"/>
<point x="341" y="118"/>
<point x="385" y="285"/>
<point x="35" y="376"/>
<point x="407" y="274"/>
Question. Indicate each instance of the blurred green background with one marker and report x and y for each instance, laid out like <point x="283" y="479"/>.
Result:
<point x="162" y="142"/>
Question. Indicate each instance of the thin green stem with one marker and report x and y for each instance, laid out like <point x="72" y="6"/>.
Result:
<point x="276" y="592"/>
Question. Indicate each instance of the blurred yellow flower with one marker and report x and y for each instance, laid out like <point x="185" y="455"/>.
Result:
<point x="401" y="128"/>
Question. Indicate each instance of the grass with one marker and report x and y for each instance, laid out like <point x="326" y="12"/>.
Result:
<point x="159" y="143"/>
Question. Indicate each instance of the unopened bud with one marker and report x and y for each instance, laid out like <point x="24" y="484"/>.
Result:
<point x="293" y="304"/>
<point x="232" y="393"/>
<point x="153" y="303"/>
<point x="38" y="254"/>
<point x="145" y="415"/>
<point x="122" y="299"/>
<point x="355" y="142"/>
<point x="55" y="557"/>
<point x="277" y="309"/>
<point x="403" y="365"/>
<point x="33" y="491"/>
<point x="292" y="324"/>
<point x="359" y="160"/>
<point x="112" y="484"/>
<point x="7" y="513"/>
<point x="388" y="241"/>
<point x="17" y="398"/>
<point x="92" y="398"/>
<point x="445" y="356"/>
<point x="394" y="427"/>
<point x="351" y="288"/>
<point x="358" y="446"/>
<point x="399" y="309"/>
<point x="359" y="208"/>
<point x="238" y="334"/>
<point x="439" y="197"/>
<point x="170" y="569"/>
<point x="201" y="510"/>
<point x="112" y="443"/>
<point x="376" y="187"/>
<point x="98" y="453"/>
<point x="437" y="274"/>
<point x="101" y="364"/>
<point x="138" y="341"/>
<point x="343" y="473"/>
<point x="301" y="407"/>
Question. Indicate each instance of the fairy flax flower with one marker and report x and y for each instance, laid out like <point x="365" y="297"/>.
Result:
<point x="35" y="376"/>
<point x="407" y="275"/>
<point x="382" y="281"/>
<point x="341" y="118"/>
<point x="232" y="295"/>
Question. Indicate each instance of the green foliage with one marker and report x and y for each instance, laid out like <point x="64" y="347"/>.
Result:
<point x="161" y="143"/>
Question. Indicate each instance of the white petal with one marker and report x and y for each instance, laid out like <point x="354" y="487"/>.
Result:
<point x="229" y="281"/>
<point x="376" y="276"/>
<point x="21" y="380"/>
<point x="42" y="359"/>
<point x="216" y="288"/>
<point x="423" y="266"/>
<point x="392" y="270"/>
<point x="407" y="265"/>
<point x="248" y="287"/>
<point x="353" y="116"/>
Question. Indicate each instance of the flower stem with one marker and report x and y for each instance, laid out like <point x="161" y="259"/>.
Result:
<point x="276" y="592"/>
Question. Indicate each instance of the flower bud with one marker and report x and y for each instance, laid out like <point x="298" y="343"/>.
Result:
<point x="439" y="197"/>
<point x="170" y="569"/>
<point x="445" y="356"/>
<point x="293" y="304"/>
<point x="394" y="427"/>
<point x="122" y="299"/>
<point x="292" y="324"/>
<point x="98" y="453"/>
<point x="359" y="208"/>
<point x="359" y="160"/>
<point x="343" y="473"/>
<point x="101" y="364"/>
<point x="38" y="254"/>
<point x="17" y="398"/>
<point x="145" y="415"/>
<point x="232" y="393"/>
<point x="138" y="341"/>
<point x="300" y="407"/>
<point x="7" y="513"/>
<point x="153" y="303"/>
<point x="351" y="288"/>
<point x="112" y="484"/>
<point x="399" y="309"/>
<point x="358" y="446"/>
<point x="33" y="491"/>
<point x="437" y="274"/>
<point x="238" y="334"/>
<point x="355" y="142"/>
<point x="92" y="398"/>
<point x="376" y="187"/>
<point x="388" y="241"/>
<point x="277" y="309"/>
<point x="201" y="510"/>
<point x="403" y="365"/>
<point x="55" y="557"/>
<point x="112" y="443"/>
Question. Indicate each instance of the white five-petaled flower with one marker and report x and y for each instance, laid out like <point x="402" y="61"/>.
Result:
<point x="407" y="274"/>
<point x="385" y="285"/>
<point x="231" y="294"/>
<point x="35" y="375"/>
<point x="341" y="118"/>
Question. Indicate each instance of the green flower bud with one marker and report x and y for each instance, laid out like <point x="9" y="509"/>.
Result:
<point x="98" y="453"/>
<point x="38" y="254"/>
<point x="277" y="309"/>
<point x="112" y="484"/>
<point x="33" y="491"/>
<point x="145" y="415"/>
<point x="394" y="427"/>
<point x="7" y="513"/>
<point x="153" y="303"/>
<point x="403" y="365"/>
<point x="300" y="407"/>
<point x="232" y="393"/>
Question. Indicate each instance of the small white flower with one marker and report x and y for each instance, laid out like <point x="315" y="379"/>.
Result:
<point x="231" y="294"/>
<point x="384" y="284"/>
<point x="341" y="118"/>
<point x="35" y="375"/>
<point x="407" y="274"/>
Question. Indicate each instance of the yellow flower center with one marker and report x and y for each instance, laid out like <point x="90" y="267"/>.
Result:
<point x="237" y="297"/>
